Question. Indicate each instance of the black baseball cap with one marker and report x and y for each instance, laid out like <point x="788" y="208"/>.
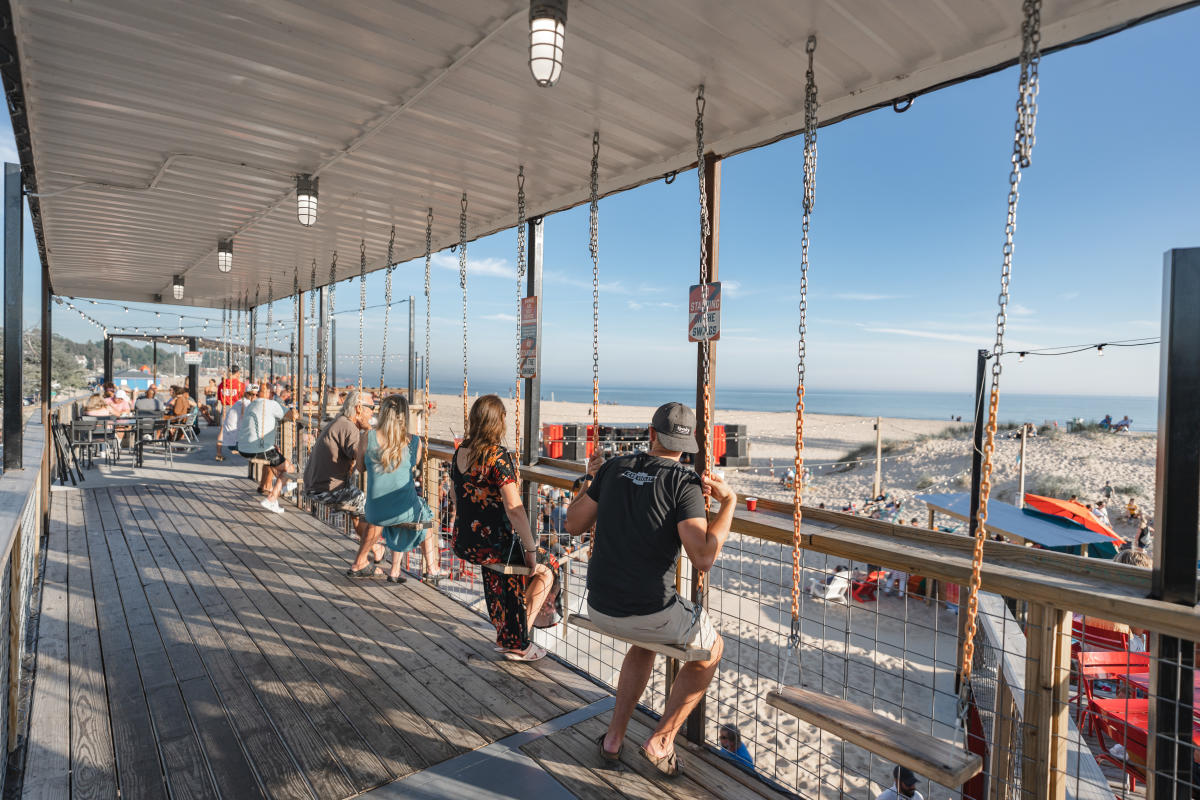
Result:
<point x="675" y="425"/>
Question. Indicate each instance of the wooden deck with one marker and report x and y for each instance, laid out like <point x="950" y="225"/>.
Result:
<point x="193" y="645"/>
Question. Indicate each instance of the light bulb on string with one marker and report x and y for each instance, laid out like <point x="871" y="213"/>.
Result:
<point x="1100" y="350"/>
<point x="1021" y="357"/>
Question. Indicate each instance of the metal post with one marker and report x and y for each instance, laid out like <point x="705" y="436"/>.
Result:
<point x="694" y="729"/>
<point x="412" y="349"/>
<point x="153" y="362"/>
<point x="322" y="351"/>
<point x="47" y="427"/>
<point x="108" y="359"/>
<point x="532" y="387"/>
<point x="14" y="366"/>
<point x="253" y="347"/>
<point x="981" y="359"/>
<point x="878" y="485"/>
<point x="1021" y="466"/>
<point x="1177" y="478"/>
<point x="194" y="371"/>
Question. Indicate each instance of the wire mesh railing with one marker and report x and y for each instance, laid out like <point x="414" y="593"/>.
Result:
<point x="878" y="632"/>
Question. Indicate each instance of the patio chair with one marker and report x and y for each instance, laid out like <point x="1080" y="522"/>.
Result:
<point x="1091" y="637"/>
<point x="146" y="432"/>
<point x="83" y="439"/>
<point x="181" y="434"/>
<point x="834" y="591"/>
<point x="864" y="590"/>
<point x="1097" y="671"/>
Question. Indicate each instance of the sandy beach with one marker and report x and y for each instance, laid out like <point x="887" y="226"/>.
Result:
<point x="895" y="655"/>
<point x="923" y="456"/>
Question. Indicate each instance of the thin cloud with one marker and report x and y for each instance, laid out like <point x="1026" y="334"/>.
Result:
<point x="866" y="297"/>
<point x="634" y="305"/>
<point x="487" y="267"/>
<point x="501" y="317"/>
<point x="941" y="337"/>
<point x="1070" y="295"/>
<point x="560" y="278"/>
<point x="1018" y="310"/>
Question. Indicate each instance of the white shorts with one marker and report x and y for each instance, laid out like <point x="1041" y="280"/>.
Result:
<point x="680" y="624"/>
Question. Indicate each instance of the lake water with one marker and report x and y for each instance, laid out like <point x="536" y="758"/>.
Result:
<point x="1037" y="408"/>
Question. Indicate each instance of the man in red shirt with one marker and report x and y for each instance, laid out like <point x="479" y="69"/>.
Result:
<point x="228" y="393"/>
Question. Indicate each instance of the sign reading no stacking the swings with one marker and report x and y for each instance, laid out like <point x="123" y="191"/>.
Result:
<point x="703" y="326"/>
<point x="193" y="357"/>
<point x="527" y="368"/>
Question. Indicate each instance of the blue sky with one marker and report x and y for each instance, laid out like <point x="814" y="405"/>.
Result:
<point x="906" y="246"/>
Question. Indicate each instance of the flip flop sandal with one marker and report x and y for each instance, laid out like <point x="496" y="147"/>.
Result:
<point x="397" y="579"/>
<point x="605" y="756"/>
<point x="366" y="572"/>
<point x="668" y="765"/>
<point x="535" y="652"/>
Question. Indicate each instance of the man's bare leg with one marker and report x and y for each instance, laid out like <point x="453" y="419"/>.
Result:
<point x="687" y="689"/>
<point x="368" y="536"/>
<point x="279" y="474"/>
<point x="635" y="674"/>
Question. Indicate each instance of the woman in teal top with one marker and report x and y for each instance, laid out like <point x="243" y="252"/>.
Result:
<point x="391" y="461"/>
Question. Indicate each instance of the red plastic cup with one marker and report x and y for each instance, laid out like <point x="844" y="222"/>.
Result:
<point x="751" y="503"/>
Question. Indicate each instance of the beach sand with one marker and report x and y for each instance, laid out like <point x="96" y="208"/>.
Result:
<point x="894" y="655"/>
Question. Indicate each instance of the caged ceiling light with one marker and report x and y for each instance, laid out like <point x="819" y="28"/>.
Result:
<point x="306" y="199"/>
<point x="225" y="255"/>
<point x="547" y="32"/>
<point x="177" y="287"/>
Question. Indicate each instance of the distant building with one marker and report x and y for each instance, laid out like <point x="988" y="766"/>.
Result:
<point x="132" y="379"/>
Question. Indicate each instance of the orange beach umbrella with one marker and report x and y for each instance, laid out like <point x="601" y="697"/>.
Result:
<point x="1076" y="512"/>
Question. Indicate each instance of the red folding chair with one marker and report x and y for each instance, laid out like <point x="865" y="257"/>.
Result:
<point x="1091" y="637"/>
<point x="866" y="589"/>
<point x="1093" y="667"/>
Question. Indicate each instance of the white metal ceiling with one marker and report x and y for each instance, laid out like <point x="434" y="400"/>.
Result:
<point x="161" y="126"/>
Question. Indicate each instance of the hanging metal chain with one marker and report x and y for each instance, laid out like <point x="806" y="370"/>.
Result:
<point x="594" y="248"/>
<point x="387" y="309"/>
<point x="462" y="282"/>
<point x="270" y="323"/>
<point x="254" y="327"/>
<point x="428" y="319"/>
<point x="224" y="341"/>
<point x="810" y="178"/>
<point x="312" y="297"/>
<point x="1031" y="37"/>
<point x="329" y="316"/>
<point x="520" y="294"/>
<point x="705" y="279"/>
<point x="362" y="303"/>
<point x="237" y="330"/>
<point x="298" y="304"/>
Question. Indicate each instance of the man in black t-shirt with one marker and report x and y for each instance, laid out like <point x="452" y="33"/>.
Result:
<point x="644" y="507"/>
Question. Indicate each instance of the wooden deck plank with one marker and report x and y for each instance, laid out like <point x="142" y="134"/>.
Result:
<point x="427" y="609"/>
<point x="355" y="753"/>
<point x="581" y="781"/>
<point x="369" y="664"/>
<point x="249" y="597"/>
<point x="583" y="750"/>
<point x="317" y="761"/>
<point x="179" y="711"/>
<point x="273" y="762"/>
<point x="93" y="763"/>
<point x="684" y="787"/>
<point x="463" y="646"/>
<point x="476" y="702"/>
<point x="48" y="762"/>
<point x="134" y="740"/>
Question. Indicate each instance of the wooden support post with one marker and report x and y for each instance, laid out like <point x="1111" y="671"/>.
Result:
<point x="878" y="485"/>
<point x="694" y="728"/>
<point x="1046" y="713"/>
<point x="1021" y="469"/>
<point x="1000" y="761"/>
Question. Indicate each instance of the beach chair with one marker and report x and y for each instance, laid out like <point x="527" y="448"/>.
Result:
<point x="866" y="589"/>
<point x="834" y="591"/>
<point x="1098" y="671"/>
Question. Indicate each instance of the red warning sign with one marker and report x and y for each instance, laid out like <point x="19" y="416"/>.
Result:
<point x="527" y="368"/>
<point x="704" y="323"/>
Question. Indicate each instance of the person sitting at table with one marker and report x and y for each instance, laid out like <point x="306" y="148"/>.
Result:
<point x="96" y="407"/>
<point x="148" y="403"/>
<point x="178" y="406"/>
<point x="119" y="404"/>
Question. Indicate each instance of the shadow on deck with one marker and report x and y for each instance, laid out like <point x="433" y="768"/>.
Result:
<point x="193" y="645"/>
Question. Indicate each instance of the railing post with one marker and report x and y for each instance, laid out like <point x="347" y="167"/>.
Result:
<point x="1177" y="477"/>
<point x="1046" y="714"/>
<point x="1000" y="760"/>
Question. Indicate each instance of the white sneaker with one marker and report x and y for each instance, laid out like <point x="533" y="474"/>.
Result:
<point x="272" y="505"/>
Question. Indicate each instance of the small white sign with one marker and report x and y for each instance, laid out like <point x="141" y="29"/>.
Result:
<point x="193" y="357"/>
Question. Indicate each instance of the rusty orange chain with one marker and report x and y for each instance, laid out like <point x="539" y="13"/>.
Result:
<point x="1022" y="152"/>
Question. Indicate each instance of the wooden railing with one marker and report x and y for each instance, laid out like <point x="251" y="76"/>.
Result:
<point x="1037" y="750"/>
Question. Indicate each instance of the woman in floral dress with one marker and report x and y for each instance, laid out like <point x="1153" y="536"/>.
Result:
<point x="493" y="528"/>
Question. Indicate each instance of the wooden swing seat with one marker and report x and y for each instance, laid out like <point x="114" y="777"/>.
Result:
<point x="941" y="762"/>
<point x="670" y="651"/>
